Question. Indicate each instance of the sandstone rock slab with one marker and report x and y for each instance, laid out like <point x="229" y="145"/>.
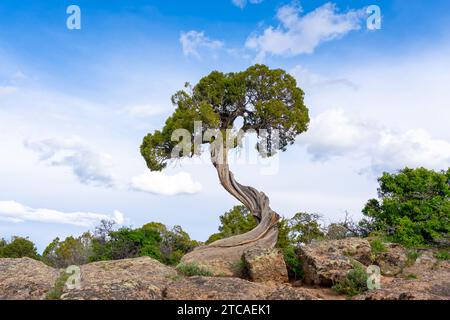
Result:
<point x="327" y="262"/>
<point x="129" y="279"/>
<point x="265" y="265"/>
<point x="431" y="284"/>
<point x="25" y="279"/>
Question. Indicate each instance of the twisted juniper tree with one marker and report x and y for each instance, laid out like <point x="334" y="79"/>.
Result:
<point x="268" y="103"/>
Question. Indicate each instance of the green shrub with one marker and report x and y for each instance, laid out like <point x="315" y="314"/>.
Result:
<point x="411" y="276"/>
<point x="293" y="263"/>
<point x="240" y="269"/>
<point x="153" y="239"/>
<point x="442" y="255"/>
<point x="355" y="282"/>
<point x="18" y="248"/>
<point x="413" y="207"/>
<point x="57" y="290"/>
<point x="193" y="269"/>
<point x="411" y="257"/>
<point x="377" y="246"/>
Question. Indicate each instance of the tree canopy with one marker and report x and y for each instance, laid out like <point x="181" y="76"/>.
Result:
<point x="265" y="99"/>
<point x="413" y="206"/>
<point x="18" y="247"/>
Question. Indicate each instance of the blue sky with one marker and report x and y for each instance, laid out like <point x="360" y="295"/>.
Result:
<point x="75" y="104"/>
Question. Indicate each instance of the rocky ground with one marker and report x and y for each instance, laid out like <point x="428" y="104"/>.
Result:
<point x="324" y="263"/>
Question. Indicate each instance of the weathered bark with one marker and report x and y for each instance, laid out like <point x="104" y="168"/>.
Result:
<point x="222" y="256"/>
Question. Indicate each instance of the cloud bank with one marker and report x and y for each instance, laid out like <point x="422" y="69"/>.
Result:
<point x="334" y="133"/>
<point x="299" y="34"/>
<point x="12" y="211"/>
<point x="89" y="166"/>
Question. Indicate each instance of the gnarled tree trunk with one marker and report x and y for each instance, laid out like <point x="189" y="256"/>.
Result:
<point x="222" y="256"/>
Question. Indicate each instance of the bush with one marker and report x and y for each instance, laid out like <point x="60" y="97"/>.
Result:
<point x="411" y="257"/>
<point x="18" y="248"/>
<point x="303" y="228"/>
<point x="240" y="269"/>
<point x="193" y="269"/>
<point x="57" y="290"/>
<point x="443" y="255"/>
<point x="71" y="251"/>
<point x="413" y="207"/>
<point x="354" y="283"/>
<point x="152" y="239"/>
<point x="377" y="246"/>
<point x="293" y="263"/>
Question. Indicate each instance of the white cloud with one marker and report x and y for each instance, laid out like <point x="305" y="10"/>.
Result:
<point x="194" y="41"/>
<point x="162" y="184"/>
<point x="89" y="166"/>
<point x="303" y="34"/>
<point x="242" y="3"/>
<point x="334" y="133"/>
<point x="13" y="211"/>
<point x="413" y="148"/>
<point x="144" y="111"/>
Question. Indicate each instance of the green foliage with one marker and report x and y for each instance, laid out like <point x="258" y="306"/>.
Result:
<point x="413" y="207"/>
<point x="236" y="221"/>
<point x="304" y="228"/>
<point x="355" y="282"/>
<point x="57" y="290"/>
<point x="240" y="269"/>
<point x="443" y="255"/>
<point x="377" y="246"/>
<point x="411" y="257"/>
<point x="283" y="240"/>
<point x="264" y="98"/>
<point x="293" y="263"/>
<point x="193" y="269"/>
<point x="18" y="248"/>
<point x="71" y="251"/>
<point x="411" y="276"/>
<point x="293" y="233"/>
<point x="214" y="237"/>
<point x="153" y="240"/>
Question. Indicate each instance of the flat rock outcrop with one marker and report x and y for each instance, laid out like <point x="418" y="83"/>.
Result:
<point x="134" y="279"/>
<point x="428" y="284"/>
<point x="25" y="279"/>
<point x="129" y="279"/>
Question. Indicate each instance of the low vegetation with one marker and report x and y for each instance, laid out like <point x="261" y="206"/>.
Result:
<point x="377" y="247"/>
<point x="57" y="290"/>
<point x="193" y="269"/>
<point x="354" y="283"/>
<point x="411" y="257"/>
<point x="443" y="255"/>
